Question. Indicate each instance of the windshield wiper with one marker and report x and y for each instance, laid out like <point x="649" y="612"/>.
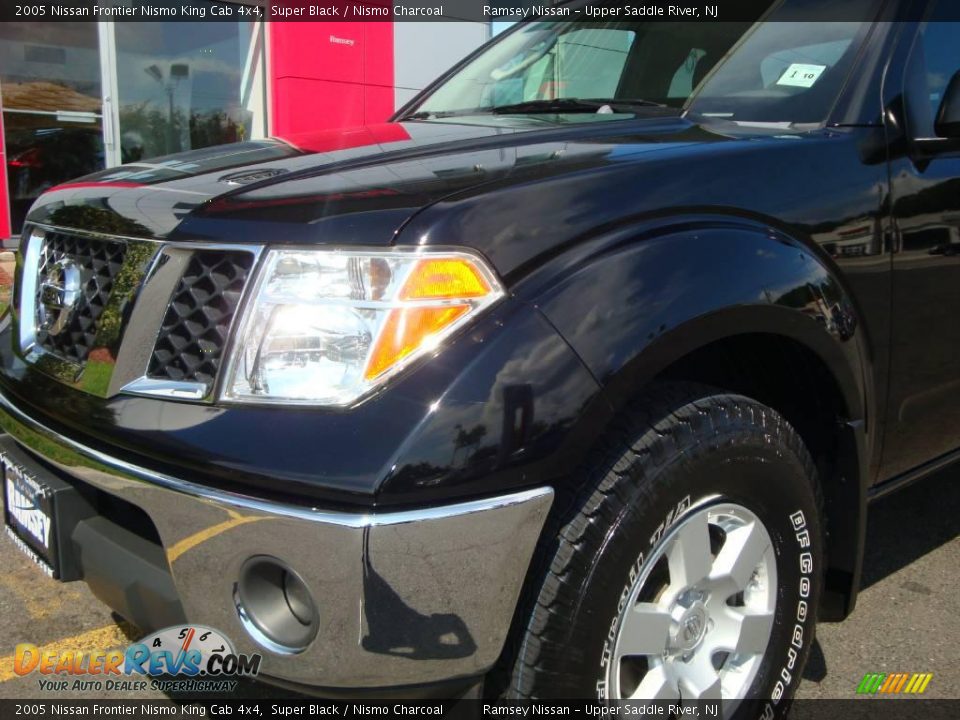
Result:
<point x="556" y="105"/>
<point x="574" y="105"/>
<point x="431" y="115"/>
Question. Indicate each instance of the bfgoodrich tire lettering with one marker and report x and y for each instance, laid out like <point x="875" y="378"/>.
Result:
<point x="685" y="450"/>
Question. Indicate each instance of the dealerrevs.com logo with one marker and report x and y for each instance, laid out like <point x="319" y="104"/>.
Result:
<point x="190" y="658"/>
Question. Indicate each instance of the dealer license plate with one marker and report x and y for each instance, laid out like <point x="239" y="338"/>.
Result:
<point x="28" y="514"/>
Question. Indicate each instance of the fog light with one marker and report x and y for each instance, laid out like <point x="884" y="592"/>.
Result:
<point x="275" y="605"/>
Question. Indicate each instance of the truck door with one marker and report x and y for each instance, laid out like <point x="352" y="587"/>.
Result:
<point x="923" y="412"/>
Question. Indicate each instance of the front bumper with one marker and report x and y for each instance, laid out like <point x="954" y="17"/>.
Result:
<point x="404" y="598"/>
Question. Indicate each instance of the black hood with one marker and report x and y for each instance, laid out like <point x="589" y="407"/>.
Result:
<point x="349" y="186"/>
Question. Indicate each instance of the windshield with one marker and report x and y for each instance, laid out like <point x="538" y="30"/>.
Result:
<point x="767" y="71"/>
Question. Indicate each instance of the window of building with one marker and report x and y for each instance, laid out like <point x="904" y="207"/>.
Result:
<point x="79" y="97"/>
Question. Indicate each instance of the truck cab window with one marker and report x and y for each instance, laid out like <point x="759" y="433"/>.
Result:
<point x="934" y="60"/>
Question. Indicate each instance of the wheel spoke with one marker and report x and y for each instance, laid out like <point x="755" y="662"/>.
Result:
<point x="742" y="551"/>
<point x="645" y="630"/>
<point x="656" y="685"/>
<point x="688" y="554"/>
<point x="699" y="680"/>
<point x="752" y="630"/>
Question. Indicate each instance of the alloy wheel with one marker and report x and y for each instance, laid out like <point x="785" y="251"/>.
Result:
<point x="699" y="616"/>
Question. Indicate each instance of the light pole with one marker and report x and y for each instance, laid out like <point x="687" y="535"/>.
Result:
<point x="178" y="72"/>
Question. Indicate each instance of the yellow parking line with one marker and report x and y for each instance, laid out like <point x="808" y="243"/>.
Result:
<point x="192" y="541"/>
<point x="110" y="637"/>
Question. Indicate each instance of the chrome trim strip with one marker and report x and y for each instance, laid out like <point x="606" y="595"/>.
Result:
<point x="170" y="389"/>
<point x="146" y="318"/>
<point x="28" y="290"/>
<point x="348" y="520"/>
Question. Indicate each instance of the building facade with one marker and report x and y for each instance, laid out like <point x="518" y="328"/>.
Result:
<point x="80" y="97"/>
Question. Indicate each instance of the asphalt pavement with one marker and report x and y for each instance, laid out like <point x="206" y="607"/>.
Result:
<point x="907" y="619"/>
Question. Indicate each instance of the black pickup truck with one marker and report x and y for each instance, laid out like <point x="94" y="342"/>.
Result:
<point x="575" y="379"/>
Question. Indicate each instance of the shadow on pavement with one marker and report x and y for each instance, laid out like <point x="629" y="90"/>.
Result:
<point x="908" y="524"/>
<point x="902" y="528"/>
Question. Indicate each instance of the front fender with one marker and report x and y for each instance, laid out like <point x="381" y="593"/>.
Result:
<point x="635" y="304"/>
<point x="520" y="412"/>
<point x="644" y="300"/>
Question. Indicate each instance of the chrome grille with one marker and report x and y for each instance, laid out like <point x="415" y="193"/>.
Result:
<point x="70" y="333"/>
<point x="107" y="315"/>
<point x="197" y="322"/>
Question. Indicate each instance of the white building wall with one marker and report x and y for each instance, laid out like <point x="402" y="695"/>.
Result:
<point x="424" y="50"/>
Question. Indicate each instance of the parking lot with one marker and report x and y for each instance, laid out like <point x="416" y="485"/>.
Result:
<point x="907" y="619"/>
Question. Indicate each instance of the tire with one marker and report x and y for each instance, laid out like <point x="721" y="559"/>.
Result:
<point x="640" y="556"/>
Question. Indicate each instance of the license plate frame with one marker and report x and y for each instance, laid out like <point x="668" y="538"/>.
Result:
<point x="29" y="515"/>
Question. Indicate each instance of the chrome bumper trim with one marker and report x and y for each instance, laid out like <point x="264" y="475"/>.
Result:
<point x="405" y="597"/>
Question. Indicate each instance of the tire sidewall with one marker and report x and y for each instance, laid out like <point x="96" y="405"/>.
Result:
<point x="749" y="471"/>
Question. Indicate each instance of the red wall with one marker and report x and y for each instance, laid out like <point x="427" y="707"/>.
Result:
<point x="314" y="81"/>
<point x="328" y="74"/>
<point x="4" y="197"/>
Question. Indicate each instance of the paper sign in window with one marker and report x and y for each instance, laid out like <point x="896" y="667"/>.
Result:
<point x="801" y="75"/>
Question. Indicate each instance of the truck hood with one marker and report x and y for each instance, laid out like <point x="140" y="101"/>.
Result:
<point x="349" y="186"/>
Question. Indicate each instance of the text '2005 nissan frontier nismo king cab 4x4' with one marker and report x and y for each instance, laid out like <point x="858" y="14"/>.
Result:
<point x="574" y="379"/>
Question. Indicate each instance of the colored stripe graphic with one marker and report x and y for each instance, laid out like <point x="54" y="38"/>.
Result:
<point x="871" y="683"/>
<point x="894" y="683"/>
<point x="901" y="681"/>
<point x="864" y="684"/>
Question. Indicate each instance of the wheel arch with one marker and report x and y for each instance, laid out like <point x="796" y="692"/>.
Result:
<point x="746" y="309"/>
<point x="802" y="388"/>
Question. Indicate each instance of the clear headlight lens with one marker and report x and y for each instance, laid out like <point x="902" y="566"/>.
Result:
<point x="324" y="327"/>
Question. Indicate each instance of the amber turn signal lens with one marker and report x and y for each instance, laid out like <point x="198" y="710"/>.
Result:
<point x="408" y="330"/>
<point x="412" y="328"/>
<point x="444" y="279"/>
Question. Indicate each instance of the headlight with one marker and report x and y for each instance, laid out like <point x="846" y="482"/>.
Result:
<point x="324" y="327"/>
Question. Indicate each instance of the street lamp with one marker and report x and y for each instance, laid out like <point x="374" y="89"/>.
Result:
<point x="178" y="72"/>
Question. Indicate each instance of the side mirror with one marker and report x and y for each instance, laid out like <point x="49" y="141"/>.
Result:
<point x="947" y="124"/>
<point x="946" y="127"/>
